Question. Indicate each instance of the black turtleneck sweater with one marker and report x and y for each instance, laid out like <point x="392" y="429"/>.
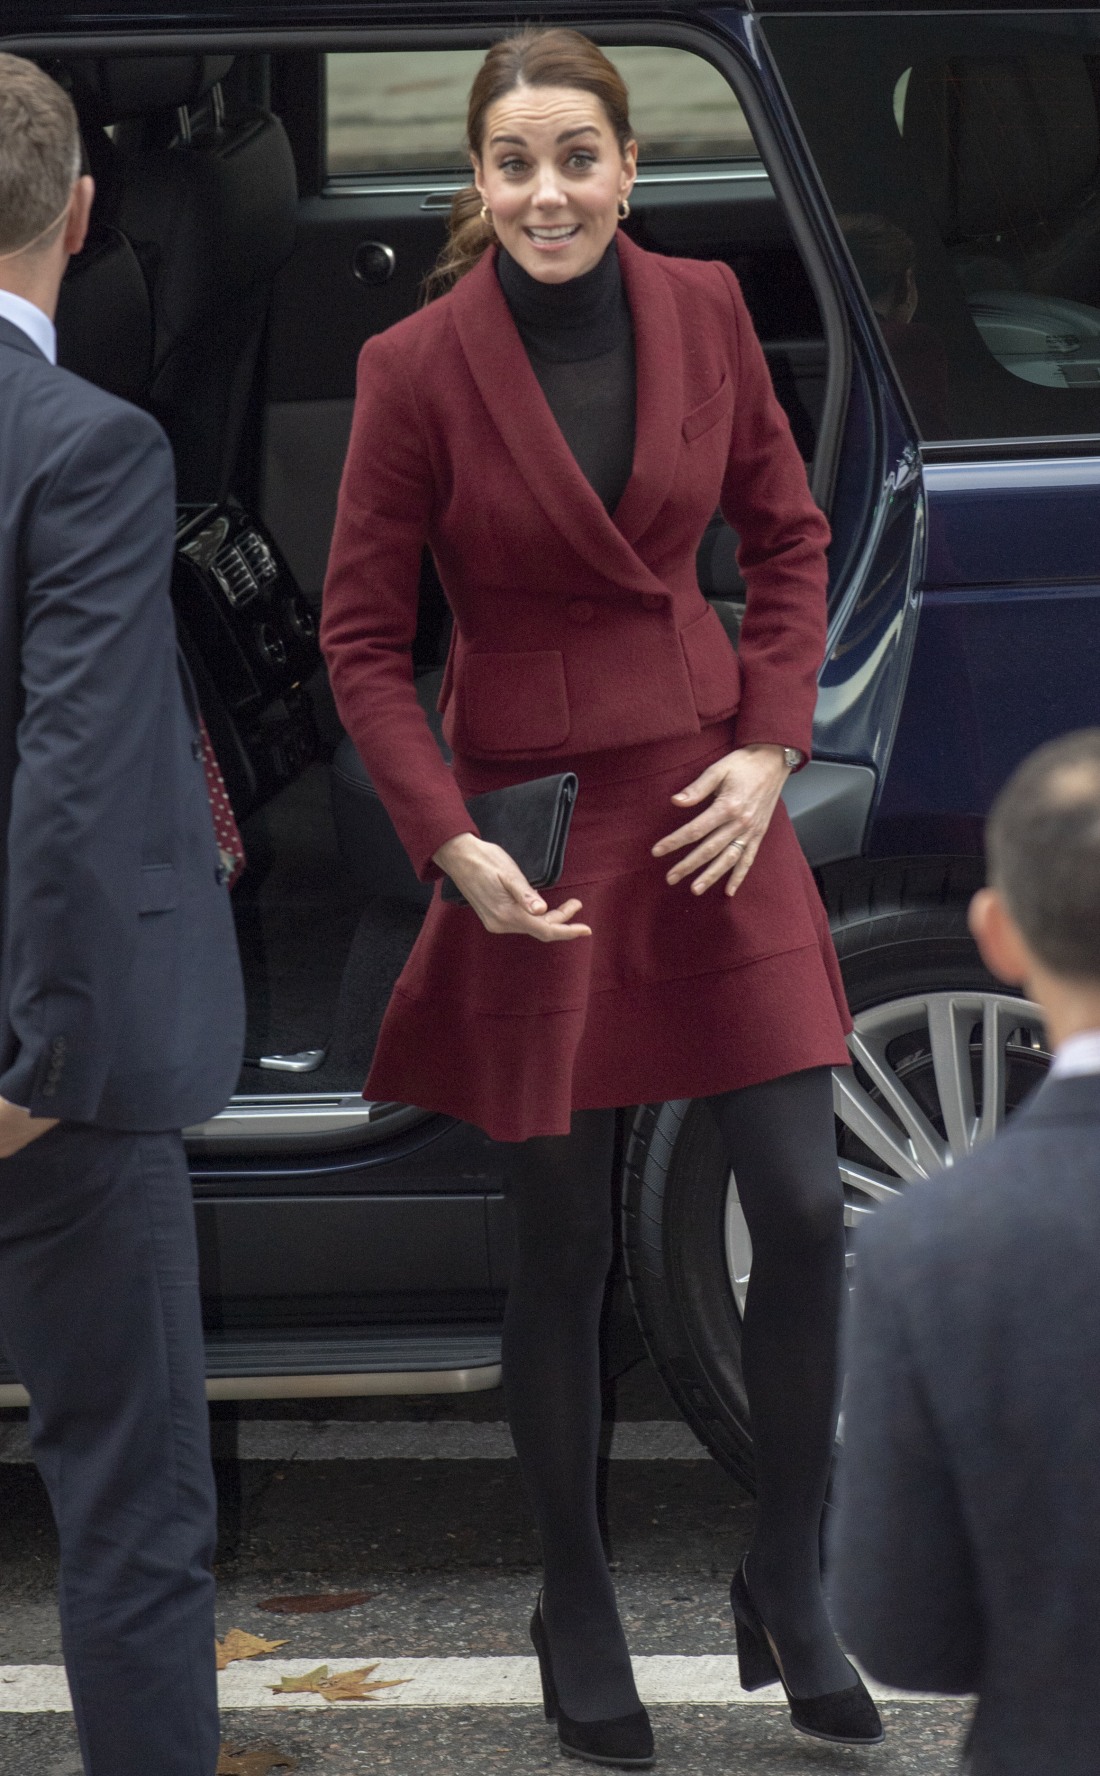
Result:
<point x="580" y="342"/>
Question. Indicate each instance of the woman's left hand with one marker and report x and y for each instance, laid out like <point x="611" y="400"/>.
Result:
<point x="724" y="839"/>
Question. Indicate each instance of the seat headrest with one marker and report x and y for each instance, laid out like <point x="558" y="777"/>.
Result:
<point x="114" y="88"/>
<point x="1002" y="144"/>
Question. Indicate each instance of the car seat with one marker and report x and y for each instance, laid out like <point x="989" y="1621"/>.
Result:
<point x="204" y="192"/>
<point x="1007" y="149"/>
<point x="105" y="316"/>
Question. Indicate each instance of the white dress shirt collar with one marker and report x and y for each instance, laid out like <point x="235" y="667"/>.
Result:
<point x="1078" y="1054"/>
<point x="30" y="320"/>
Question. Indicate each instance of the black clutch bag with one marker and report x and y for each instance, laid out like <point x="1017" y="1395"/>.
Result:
<point x="528" y="820"/>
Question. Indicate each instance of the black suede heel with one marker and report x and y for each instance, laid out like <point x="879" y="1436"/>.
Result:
<point x="625" y="1743"/>
<point x="844" y="1717"/>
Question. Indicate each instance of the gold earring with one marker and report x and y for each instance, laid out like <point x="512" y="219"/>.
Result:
<point x="486" y="214"/>
<point x="624" y="209"/>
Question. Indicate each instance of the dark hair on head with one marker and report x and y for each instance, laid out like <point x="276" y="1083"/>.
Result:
<point x="883" y="255"/>
<point x="535" y="56"/>
<point x="1043" y="844"/>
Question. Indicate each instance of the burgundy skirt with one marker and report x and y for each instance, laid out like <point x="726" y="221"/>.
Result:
<point x="675" y="995"/>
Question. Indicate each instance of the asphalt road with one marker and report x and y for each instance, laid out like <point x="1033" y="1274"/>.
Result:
<point x="418" y="1503"/>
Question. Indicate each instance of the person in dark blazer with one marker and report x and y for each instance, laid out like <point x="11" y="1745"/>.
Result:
<point x="559" y="426"/>
<point x="966" y="1553"/>
<point x="121" y="1007"/>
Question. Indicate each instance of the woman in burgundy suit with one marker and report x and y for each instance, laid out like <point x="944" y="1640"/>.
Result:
<point x="559" y="427"/>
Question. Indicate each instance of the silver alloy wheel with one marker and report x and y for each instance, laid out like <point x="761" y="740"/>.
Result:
<point x="934" y="1076"/>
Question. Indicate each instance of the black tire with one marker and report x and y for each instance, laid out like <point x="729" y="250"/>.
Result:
<point x="903" y="930"/>
<point x="898" y="931"/>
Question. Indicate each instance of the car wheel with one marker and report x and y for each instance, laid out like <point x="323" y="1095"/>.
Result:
<point x="941" y="1055"/>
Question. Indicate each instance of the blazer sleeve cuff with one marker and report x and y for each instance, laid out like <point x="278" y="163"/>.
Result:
<point x="423" y="845"/>
<point x="771" y="739"/>
<point x="42" y="1082"/>
<point x="763" y="727"/>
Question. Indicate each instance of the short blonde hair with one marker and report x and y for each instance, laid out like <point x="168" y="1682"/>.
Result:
<point x="39" y="153"/>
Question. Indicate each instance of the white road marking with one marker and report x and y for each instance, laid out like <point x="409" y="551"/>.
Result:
<point x="666" y="1679"/>
<point x="288" y="1440"/>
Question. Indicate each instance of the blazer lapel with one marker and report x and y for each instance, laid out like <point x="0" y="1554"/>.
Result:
<point x="518" y="408"/>
<point x="658" y="352"/>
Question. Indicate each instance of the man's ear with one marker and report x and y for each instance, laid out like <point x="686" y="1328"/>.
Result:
<point x="80" y="210"/>
<point x="999" y="939"/>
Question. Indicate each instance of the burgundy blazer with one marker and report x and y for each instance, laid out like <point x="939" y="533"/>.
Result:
<point x="575" y="630"/>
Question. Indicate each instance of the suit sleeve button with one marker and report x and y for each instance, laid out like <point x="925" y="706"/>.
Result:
<point x="580" y="611"/>
<point x="652" y="601"/>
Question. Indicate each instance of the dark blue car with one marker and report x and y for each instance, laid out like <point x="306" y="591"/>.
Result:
<point x="911" y="199"/>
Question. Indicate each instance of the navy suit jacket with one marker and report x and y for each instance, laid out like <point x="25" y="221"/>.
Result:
<point x="966" y="1551"/>
<point x="120" y="991"/>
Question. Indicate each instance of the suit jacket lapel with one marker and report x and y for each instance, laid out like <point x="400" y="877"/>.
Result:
<point x="658" y="352"/>
<point x="517" y="406"/>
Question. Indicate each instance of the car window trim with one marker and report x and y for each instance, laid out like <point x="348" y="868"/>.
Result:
<point x="1043" y="448"/>
<point x="440" y="183"/>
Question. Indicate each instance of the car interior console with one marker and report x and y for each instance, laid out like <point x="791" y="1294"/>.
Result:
<point x="250" y="638"/>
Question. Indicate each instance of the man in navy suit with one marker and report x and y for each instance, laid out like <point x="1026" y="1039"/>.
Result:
<point x="121" y="1017"/>
<point x="967" y="1546"/>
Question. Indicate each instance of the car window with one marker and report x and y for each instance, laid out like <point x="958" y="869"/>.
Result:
<point x="405" y="110"/>
<point x="962" y="156"/>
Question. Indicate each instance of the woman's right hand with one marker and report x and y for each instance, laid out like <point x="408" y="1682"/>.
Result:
<point x="500" y="893"/>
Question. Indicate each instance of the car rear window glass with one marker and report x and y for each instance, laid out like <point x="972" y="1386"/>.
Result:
<point x="405" y="110"/>
<point x="961" y="153"/>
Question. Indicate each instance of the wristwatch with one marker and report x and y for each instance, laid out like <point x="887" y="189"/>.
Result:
<point x="792" y="758"/>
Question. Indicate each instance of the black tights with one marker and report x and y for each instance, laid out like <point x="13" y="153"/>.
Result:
<point x="779" y="1137"/>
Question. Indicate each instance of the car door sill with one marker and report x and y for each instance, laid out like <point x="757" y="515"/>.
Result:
<point x="274" y="1121"/>
<point x="381" y="1360"/>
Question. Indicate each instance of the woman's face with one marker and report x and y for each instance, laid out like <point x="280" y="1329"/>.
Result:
<point x="552" y="173"/>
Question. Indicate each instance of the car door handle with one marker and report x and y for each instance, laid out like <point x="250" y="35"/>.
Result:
<point x="373" y="262"/>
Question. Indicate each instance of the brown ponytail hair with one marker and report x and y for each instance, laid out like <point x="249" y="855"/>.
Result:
<point x="535" y="56"/>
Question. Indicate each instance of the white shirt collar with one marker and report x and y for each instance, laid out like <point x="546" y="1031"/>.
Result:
<point x="1078" y="1054"/>
<point x="32" y="321"/>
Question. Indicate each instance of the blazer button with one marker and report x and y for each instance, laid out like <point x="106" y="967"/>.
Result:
<point x="652" y="601"/>
<point x="580" y="611"/>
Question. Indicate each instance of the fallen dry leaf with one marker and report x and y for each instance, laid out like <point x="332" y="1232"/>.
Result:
<point x="239" y="1645"/>
<point x="353" y="1686"/>
<point x="288" y="1686"/>
<point x="314" y="1603"/>
<point x="258" y="1762"/>
<point x="342" y="1686"/>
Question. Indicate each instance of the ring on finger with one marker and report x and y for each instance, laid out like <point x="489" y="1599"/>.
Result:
<point x="736" y="845"/>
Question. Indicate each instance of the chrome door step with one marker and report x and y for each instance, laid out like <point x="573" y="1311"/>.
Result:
<point x="324" y="1364"/>
<point x="265" y="1122"/>
<point x="303" y="1060"/>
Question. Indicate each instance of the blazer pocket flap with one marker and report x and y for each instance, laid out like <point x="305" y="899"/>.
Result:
<point x="713" y="667"/>
<point x="708" y="412"/>
<point x="514" y="703"/>
<point x="159" y="891"/>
